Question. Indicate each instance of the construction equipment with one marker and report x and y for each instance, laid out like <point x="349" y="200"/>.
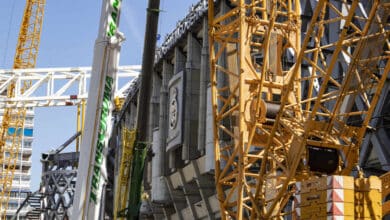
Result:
<point x="122" y="189"/>
<point x="386" y="193"/>
<point x="92" y="164"/>
<point x="285" y="108"/>
<point x="54" y="197"/>
<point x="63" y="94"/>
<point x="33" y="202"/>
<point x="57" y="188"/>
<point x="13" y="118"/>
<point x="141" y="146"/>
<point x="104" y="82"/>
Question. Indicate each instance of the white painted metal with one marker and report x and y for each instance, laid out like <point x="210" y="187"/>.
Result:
<point x="91" y="173"/>
<point x="58" y="86"/>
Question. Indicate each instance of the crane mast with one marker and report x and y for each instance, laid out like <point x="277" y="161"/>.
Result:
<point x="92" y="174"/>
<point x="279" y="99"/>
<point x="13" y="118"/>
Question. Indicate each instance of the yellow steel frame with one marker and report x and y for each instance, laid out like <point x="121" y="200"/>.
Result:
<point x="385" y="193"/>
<point x="80" y="122"/>
<point x="122" y="188"/>
<point x="25" y="57"/>
<point x="258" y="157"/>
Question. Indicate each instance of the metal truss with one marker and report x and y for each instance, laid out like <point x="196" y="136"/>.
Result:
<point x="25" y="57"/>
<point x="57" y="86"/>
<point x="278" y="100"/>
<point x="55" y="197"/>
<point x="59" y="175"/>
<point x="58" y="185"/>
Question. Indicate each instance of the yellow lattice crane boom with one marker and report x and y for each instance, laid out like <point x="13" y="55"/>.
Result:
<point x="279" y="101"/>
<point x="13" y="118"/>
<point x="121" y="191"/>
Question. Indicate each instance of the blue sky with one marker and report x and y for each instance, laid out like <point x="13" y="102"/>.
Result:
<point x="67" y="40"/>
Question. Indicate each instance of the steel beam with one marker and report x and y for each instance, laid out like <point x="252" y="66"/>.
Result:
<point x="57" y="86"/>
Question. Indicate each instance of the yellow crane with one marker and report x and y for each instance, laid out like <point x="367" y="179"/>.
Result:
<point x="272" y="118"/>
<point x="13" y="119"/>
<point x="122" y="188"/>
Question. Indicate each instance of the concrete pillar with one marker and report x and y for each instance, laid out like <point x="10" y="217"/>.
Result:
<point x="154" y="104"/>
<point x="179" y="65"/>
<point x="229" y="62"/>
<point x="209" y="136"/>
<point x="191" y="100"/>
<point x="204" y="81"/>
<point x="131" y="115"/>
<point x="152" y="125"/>
<point x="164" y="106"/>
<point x="179" y="61"/>
<point x="160" y="193"/>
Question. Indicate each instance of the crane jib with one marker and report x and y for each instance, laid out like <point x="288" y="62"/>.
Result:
<point x="113" y="18"/>
<point x="101" y="138"/>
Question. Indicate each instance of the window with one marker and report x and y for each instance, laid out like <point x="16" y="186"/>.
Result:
<point x="23" y="194"/>
<point x="27" y="144"/>
<point x="7" y="154"/>
<point x="14" y="194"/>
<point x="26" y="158"/>
<point x="26" y="178"/>
<point x="12" y="205"/>
<point x="29" y="119"/>
<point x="28" y="132"/>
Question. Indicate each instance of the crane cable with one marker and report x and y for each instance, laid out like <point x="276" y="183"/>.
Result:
<point x="8" y="33"/>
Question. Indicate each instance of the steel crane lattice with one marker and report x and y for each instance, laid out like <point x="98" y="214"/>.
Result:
<point x="278" y="97"/>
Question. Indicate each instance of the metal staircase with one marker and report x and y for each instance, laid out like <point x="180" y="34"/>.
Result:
<point x="32" y="203"/>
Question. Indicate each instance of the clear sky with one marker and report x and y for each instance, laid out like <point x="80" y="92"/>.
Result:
<point x="67" y="40"/>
